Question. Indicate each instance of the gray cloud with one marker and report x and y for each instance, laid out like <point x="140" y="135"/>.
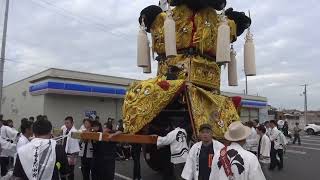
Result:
<point x="100" y="37"/>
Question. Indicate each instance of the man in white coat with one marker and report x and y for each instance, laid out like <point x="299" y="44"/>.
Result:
<point x="8" y="134"/>
<point x="9" y="149"/>
<point x="26" y="134"/>
<point x="177" y="139"/>
<point x="70" y="145"/>
<point x="264" y="150"/>
<point x="42" y="158"/>
<point x="278" y="143"/>
<point x="198" y="165"/>
<point x="234" y="162"/>
<point x="253" y="139"/>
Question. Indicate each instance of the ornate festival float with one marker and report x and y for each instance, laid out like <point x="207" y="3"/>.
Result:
<point x="190" y="40"/>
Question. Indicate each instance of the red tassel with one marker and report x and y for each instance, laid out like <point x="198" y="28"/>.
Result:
<point x="164" y="85"/>
<point x="236" y="101"/>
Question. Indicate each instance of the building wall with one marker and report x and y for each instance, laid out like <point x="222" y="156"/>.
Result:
<point x="17" y="102"/>
<point x="56" y="104"/>
<point x="57" y="107"/>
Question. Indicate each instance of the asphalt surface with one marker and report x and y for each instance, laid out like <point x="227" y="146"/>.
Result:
<point x="300" y="163"/>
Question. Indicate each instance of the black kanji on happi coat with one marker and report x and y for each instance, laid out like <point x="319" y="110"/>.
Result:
<point x="236" y="160"/>
<point x="181" y="136"/>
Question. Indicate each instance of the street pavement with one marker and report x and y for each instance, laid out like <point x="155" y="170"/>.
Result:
<point x="300" y="163"/>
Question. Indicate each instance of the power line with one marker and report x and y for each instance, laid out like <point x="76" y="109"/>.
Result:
<point x="92" y="17"/>
<point x="22" y="62"/>
<point x="81" y="17"/>
<point x="82" y="20"/>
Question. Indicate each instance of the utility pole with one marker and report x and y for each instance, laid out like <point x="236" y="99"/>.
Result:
<point x="3" y="50"/>
<point x="305" y="103"/>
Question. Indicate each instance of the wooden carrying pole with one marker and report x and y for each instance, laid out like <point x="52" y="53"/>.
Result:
<point x="127" y="138"/>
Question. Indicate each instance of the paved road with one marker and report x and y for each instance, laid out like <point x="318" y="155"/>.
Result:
<point x="300" y="163"/>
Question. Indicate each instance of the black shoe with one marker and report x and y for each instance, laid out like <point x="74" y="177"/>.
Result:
<point x="280" y="168"/>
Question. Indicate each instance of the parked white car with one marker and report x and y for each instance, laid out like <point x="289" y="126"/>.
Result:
<point x="312" y="129"/>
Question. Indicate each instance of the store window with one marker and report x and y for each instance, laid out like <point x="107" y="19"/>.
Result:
<point x="249" y="114"/>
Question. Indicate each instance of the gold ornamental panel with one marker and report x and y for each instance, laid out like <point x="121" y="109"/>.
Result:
<point x="145" y="100"/>
<point x="213" y="109"/>
<point x="198" y="30"/>
<point x="204" y="73"/>
<point x="195" y="69"/>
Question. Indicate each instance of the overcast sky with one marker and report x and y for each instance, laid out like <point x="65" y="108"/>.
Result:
<point x="99" y="36"/>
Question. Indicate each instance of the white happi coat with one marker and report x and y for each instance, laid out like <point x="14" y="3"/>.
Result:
<point x="7" y="147"/>
<point x="72" y="145"/>
<point x="177" y="139"/>
<point x="22" y="141"/>
<point x="7" y="133"/>
<point x="38" y="158"/>
<point x="278" y="138"/>
<point x="191" y="168"/>
<point x="265" y="148"/>
<point x="252" y="141"/>
<point x="245" y="165"/>
<point x="268" y="131"/>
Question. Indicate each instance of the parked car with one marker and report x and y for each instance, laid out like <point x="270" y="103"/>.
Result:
<point x="312" y="129"/>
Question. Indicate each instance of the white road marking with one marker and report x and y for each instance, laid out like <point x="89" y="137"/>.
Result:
<point x="312" y="140"/>
<point x="311" y="148"/>
<point x="303" y="143"/>
<point x="318" y="140"/>
<point x="310" y="137"/>
<point x="295" y="152"/>
<point x="122" y="176"/>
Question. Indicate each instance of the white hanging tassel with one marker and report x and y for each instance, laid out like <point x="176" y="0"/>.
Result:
<point x="164" y="5"/>
<point x="147" y="69"/>
<point x="232" y="68"/>
<point x="249" y="55"/>
<point x="143" y="54"/>
<point x="170" y="35"/>
<point x="223" y="41"/>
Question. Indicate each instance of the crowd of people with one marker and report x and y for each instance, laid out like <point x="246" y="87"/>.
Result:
<point x="32" y="152"/>
<point x="252" y="150"/>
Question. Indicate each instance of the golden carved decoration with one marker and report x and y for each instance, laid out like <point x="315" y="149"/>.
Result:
<point x="211" y="108"/>
<point x="145" y="100"/>
<point x="204" y="73"/>
<point x="197" y="30"/>
<point x="197" y="70"/>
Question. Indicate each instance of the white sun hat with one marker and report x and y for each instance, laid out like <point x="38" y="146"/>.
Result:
<point x="237" y="132"/>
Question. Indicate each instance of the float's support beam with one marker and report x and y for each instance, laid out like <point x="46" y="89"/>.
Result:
<point x="127" y="138"/>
